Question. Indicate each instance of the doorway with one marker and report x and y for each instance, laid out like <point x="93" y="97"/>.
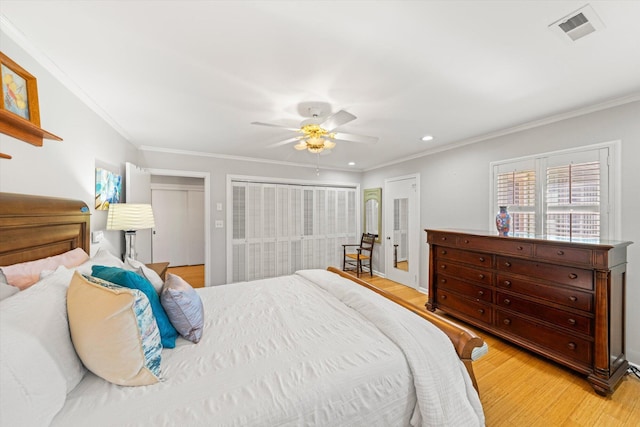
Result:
<point x="138" y="184"/>
<point x="402" y="216"/>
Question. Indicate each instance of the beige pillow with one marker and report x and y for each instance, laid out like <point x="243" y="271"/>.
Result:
<point x="113" y="331"/>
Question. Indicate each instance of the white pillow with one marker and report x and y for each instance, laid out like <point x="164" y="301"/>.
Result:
<point x="146" y="272"/>
<point x="40" y="373"/>
<point x="7" y="290"/>
<point x="102" y="257"/>
<point x="33" y="389"/>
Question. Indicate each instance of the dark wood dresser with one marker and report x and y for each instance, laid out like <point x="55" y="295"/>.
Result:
<point x="562" y="300"/>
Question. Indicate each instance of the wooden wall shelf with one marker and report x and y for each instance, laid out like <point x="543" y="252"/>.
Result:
<point x="17" y="127"/>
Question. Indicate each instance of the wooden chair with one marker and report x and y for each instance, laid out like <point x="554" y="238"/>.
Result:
<point x="362" y="258"/>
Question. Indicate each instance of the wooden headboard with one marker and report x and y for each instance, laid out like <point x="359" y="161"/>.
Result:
<point x="34" y="227"/>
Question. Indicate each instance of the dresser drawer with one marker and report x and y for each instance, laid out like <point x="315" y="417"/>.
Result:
<point x="440" y="238"/>
<point x="476" y="310"/>
<point x="557" y="341"/>
<point x="564" y="319"/>
<point x="474" y="258"/>
<point x="477" y="275"/>
<point x="570" y="276"/>
<point x="563" y="254"/>
<point x="498" y="245"/>
<point x="569" y="297"/>
<point x="469" y="290"/>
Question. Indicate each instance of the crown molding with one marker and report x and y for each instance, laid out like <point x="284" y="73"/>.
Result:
<point x="519" y="128"/>
<point x="243" y="159"/>
<point x="22" y="41"/>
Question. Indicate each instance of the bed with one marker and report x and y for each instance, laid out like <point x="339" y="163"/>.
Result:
<point x="314" y="348"/>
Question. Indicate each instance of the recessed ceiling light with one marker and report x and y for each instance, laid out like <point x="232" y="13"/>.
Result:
<point x="427" y="138"/>
<point x="352" y="163"/>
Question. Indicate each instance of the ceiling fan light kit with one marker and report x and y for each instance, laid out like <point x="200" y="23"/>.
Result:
<point x="317" y="134"/>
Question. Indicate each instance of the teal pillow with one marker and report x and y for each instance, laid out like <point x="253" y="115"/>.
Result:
<point x="131" y="280"/>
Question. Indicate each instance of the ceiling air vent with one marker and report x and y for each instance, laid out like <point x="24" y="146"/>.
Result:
<point x="578" y="24"/>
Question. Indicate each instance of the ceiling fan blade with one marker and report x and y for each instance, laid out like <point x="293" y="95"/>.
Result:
<point x="337" y="119"/>
<point x="285" y="142"/>
<point x="339" y="136"/>
<point x="275" y="126"/>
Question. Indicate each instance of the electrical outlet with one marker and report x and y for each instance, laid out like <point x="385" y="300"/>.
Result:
<point x="97" y="236"/>
<point x="219" y="223"/>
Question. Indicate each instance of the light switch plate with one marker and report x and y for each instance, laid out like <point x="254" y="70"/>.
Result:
<point x="218" y="206"/>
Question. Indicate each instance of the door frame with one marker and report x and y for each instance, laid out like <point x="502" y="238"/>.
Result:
<point x="207" y="211"/>
<point x="412" y="277"/>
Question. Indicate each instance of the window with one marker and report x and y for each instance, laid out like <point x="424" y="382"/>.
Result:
<point x="563" y="195"/>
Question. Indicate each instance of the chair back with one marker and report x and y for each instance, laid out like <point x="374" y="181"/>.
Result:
<point x="367" y="242"/>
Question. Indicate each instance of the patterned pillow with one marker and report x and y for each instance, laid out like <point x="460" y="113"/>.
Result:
<point x="113" y="331"/>
<point x="131" y="280"/>
<point x="183" y="306"/>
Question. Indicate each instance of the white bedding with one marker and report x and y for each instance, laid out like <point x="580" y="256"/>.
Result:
<point x="306" y="349"/>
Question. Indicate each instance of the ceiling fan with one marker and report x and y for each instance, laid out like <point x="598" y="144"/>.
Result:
<point x="318" y="134"/>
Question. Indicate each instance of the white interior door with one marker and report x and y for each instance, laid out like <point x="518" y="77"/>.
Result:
<point x="402" y="230"/>
<point x="171" y="235"/>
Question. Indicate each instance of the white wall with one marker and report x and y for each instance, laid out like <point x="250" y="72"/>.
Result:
<point x="66" y="168"/>
<point x="219" y="169"/>
<point x="444" y="175"/>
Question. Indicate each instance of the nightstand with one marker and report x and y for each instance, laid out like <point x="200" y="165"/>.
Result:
<point x="160" y="268"/>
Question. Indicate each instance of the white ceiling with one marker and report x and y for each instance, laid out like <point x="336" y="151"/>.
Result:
<point x="193" y="75"/>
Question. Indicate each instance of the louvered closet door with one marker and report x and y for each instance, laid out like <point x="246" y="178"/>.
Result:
<point x="281" y="228"/>
<point x="296" y="213"/>
<point x="239" y="232"/>
<point x="333" y="248"/>
<point x="283" y="257"/>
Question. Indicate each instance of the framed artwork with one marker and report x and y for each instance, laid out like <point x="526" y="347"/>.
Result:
<point x="19" y="91"/>
<point x="108" y="189"/>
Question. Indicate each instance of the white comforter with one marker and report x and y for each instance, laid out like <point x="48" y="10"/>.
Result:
<point x="306" y="349"/>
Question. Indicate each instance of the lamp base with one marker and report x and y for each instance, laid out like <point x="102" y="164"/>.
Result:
<point x="130" y="250"/>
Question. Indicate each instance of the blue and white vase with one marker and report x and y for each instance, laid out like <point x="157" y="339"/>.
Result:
<point x="503" y="221"/>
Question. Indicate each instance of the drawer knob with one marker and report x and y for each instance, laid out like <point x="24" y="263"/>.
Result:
<point x="443" y="238"/>
<point x="573" y="298"/>
<point x="466" y="240"/>
<point x="507" y="283"/>
<point x="481" y="259"/>
<point x="480" y="293"/>
<point x="481" y="310"/>
<point x="442" y="266"/>
<point x="507" y="321"/>
<point x="573" y="276"/>
<point x="507" y="301"/>
<point x="507" y="264"/>
<point x="520" y="248"/>
<point x="572" y="321"/>
<point x="481" y="276"/>
<point x="560" y="252"/>
<point x="443" y="280"/>
<point x="572" y="346"/>
<point x="443" y="252"/>
<point x="443" y="297"/>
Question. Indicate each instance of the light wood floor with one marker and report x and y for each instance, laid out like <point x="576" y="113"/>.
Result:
<point x="518" y="388"/>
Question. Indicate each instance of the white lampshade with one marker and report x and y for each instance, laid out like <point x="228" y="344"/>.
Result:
<point x="130" y="216"/>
